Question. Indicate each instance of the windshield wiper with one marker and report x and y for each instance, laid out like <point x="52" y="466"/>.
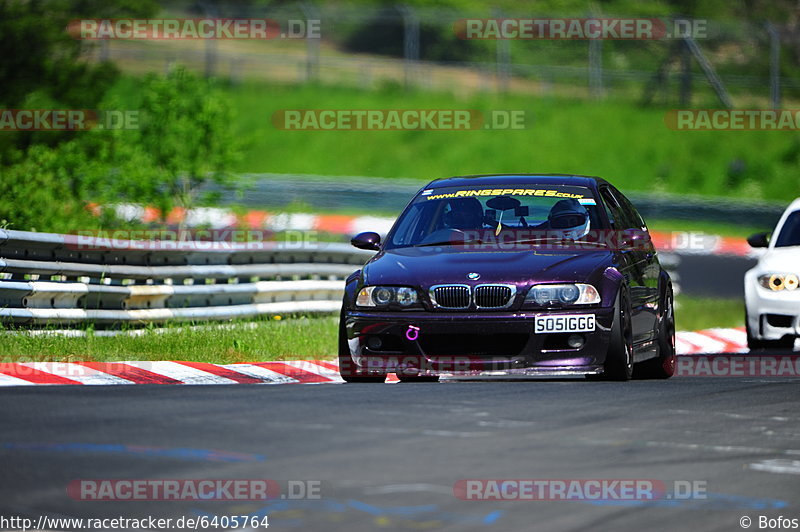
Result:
<point x="593" y="242"/>
<point x="565" y="241"/>
<point x="450" y="243"/>
<point x="534" y="240"/>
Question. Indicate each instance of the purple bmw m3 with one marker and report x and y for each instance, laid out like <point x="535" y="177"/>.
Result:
<point x="510" y="275"/>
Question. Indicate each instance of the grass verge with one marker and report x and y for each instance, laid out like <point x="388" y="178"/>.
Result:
<point x="262" y="340"/>
<point x="696" y="313"/>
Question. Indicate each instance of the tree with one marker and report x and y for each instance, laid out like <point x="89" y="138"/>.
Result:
<point x="40" y="63"/>
<point x="186" y="132"/>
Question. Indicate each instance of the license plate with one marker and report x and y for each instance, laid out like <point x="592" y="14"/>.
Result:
<point x="564" y="323"/>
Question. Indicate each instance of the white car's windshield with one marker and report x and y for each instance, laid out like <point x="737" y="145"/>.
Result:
<point x="790" y="232"/>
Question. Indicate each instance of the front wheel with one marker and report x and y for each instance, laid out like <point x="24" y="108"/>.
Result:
<point x="619" y="359"/>
<point x="402" y="377"/>
<point x="348" y="369"/>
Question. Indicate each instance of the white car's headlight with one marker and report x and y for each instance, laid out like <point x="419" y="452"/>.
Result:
<point x="778" y="281"/>
<point x="563" y="294"/>
<point x="384" y="296"/>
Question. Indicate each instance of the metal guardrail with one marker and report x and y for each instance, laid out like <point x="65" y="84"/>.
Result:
<point x="54" y="279"/>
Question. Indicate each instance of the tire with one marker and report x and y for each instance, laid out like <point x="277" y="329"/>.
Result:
<point x="347" y="368"/>
<point x="417" y="378"/>
<point x="663" y="366"/>
<point x="619" y="359"/>
<point x="755" y="344"/>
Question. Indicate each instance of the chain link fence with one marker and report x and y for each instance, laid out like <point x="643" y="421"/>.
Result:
<point x="369" y="46"/>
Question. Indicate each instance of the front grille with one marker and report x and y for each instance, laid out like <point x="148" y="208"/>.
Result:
<point x="780" y="320"/>
<point x="477" y="345"/>
<point x="451" y="296"/>
<point x="493" y="296"/>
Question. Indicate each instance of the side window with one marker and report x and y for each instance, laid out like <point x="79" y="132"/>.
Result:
<point x="634" y="219"/>
<point x="621" y="209"/>
<point x="612" y="208"/>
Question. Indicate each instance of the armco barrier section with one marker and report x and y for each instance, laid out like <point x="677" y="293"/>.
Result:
<point x="52" y="279"/>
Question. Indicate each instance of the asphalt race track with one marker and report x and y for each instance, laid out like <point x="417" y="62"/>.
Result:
<point x="388" y="456"/>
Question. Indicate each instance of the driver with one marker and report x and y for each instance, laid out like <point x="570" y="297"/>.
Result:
<point x="464" y="214"/>
<point x="569" y="218"/>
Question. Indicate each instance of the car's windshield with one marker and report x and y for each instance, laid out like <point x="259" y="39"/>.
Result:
<point x="790" y="232"/>
<point x="466" y="215"/>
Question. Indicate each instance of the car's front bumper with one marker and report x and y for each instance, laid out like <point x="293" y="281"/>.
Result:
<point x="771" y="315"/>
<point x="439" y="343"/>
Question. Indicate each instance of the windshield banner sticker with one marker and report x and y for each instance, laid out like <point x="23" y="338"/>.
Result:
<point x="544" y="192"/>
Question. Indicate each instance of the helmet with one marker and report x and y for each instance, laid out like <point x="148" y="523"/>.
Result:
<point x="569" y="217"/>
<point x="464" y="213"/>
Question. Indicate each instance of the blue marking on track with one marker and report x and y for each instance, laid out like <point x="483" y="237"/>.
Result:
<point x="178" y="453"/>
<point x="713" y="501"/>
<point x="412" y="514"/>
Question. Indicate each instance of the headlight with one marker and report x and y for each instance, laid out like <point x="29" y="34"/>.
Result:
<point x="778" y="281"/>
<point x="562" y="294"/>
<point x="384" y="296"/>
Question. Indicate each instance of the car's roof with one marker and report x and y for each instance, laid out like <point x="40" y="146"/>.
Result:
<point x="516" y="179"/>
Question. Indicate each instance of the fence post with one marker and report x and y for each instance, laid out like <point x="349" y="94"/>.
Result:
<point x="211" y="44"/>
<point x="410" y="42"/>
<point x="312" y="43"/>
<point x="708" y="69"/>
<point x="105" y="52"/>
<point x="774" y="66"/>
<point x="686" y="75"/>
<point x="503" y="58"/>
<point x="595" y="66"/>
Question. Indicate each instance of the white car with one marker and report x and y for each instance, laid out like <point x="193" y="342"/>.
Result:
<point x="771" y="291"/>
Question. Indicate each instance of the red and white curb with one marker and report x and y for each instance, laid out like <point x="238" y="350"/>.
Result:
<point x="284" y="372"/>
<point x="168" y="372"/>
<point x="711" y="341"/>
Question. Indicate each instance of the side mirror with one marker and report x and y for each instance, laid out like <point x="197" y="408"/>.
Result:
<point x="758" y="240"/>
<point x="368" y="240"/>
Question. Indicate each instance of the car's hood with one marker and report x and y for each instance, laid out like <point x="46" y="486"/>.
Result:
<point x="426" y="266"/>
<point x="779" y="260"/>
